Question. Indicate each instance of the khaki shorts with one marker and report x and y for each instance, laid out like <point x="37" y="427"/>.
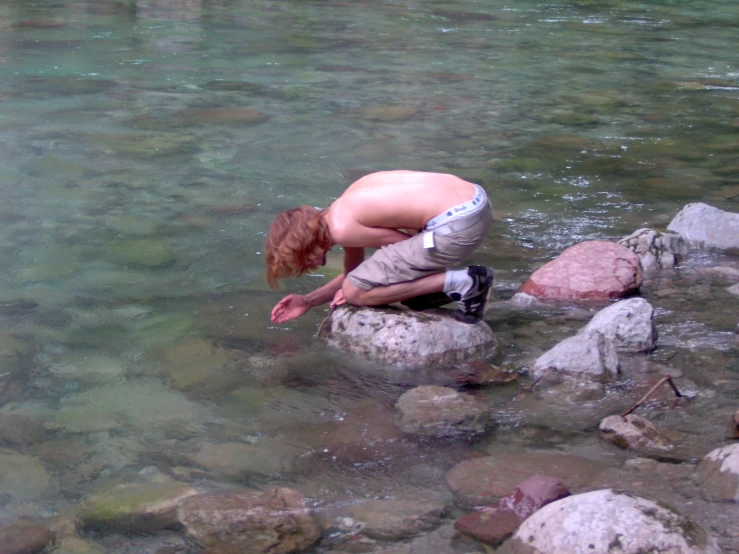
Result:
<point x="408" y="260"/>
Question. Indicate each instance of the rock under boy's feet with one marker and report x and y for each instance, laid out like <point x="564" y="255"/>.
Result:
<point x="472" y="304"/>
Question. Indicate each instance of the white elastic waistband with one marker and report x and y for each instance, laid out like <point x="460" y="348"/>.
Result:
<point x="471" y="207"/>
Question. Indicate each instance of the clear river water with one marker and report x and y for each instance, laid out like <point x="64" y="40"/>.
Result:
<point x="145" y="146"/>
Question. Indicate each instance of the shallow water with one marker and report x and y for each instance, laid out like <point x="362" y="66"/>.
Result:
<point x="145" y="147"/>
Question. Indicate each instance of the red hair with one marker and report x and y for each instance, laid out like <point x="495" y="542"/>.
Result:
<point x="293" y="237"/>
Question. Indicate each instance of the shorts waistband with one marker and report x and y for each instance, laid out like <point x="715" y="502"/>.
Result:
<point x="459" y="217"/>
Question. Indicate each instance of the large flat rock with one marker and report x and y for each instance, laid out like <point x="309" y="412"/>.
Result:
<point x="399" y="337"/>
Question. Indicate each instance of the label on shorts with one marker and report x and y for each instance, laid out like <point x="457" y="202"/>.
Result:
<point x="428" y="239"/>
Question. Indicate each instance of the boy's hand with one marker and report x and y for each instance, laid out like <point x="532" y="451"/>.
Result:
<point x="338" y="299"/>
<point x="290" y="307"/>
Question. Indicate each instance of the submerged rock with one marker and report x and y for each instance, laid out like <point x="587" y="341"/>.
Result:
<point x="275" y="522"/>
<point x="220" y="116"/>
<point x="640" y="435"/>
<point x="485" y="480"/>
<point x="146" y="253"/>
<point x="138" y="507"/>
<point x="407" y="339"/>
<point x="395" y="519"/>
<point x="23" y="478"/>
<point x="656" y="250"/>
<point x="718" y="473"/>
<point x="608" y="521"/>
<point x="24" y="537"/>
<point x="704" y="224"/>
<point x="267" y="457"/>
<point x="442" y="412"/>
<point x="591" y="270"/>
<point x="384" y="112"/>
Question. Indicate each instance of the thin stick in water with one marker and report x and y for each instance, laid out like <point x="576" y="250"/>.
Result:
<point x="666" y="379"/>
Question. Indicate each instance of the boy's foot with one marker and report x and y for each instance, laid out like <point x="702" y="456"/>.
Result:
<point x="472" y="304"/>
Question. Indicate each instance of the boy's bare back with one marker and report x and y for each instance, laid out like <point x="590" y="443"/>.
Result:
<point x="397" y="200"/>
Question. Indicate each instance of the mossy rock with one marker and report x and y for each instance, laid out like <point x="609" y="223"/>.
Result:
<point x="385" y="112"/>
<point x="12" y="350"/>
<point x="243" y="87"/>
<point x="220" y="116"/>
<point x="198" y="364"/>
<point x="129" y="224"/>
<point x="574" y="119"/>
<point x="142" y="507"/>
<point x="41" y="272"/>
<point x="145" y="253"/>
<point x="165" y="328"/>
<point x="723" y="143"/>
<point x="145" y="146"/>
<point x="522" y="165"/>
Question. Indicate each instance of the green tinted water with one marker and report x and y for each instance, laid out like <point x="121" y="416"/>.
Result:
<point x="145" y="147"/>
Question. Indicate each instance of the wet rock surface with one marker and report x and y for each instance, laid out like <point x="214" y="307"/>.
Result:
<point x="396" y="519"/>
<point x="442" y="412"/>
<point x="486" y="480"/>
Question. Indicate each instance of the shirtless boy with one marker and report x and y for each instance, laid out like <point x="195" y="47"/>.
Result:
<point x="421" y="224"/>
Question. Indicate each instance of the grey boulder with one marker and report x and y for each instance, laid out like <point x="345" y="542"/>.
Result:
<point x="704" y="224"/>
<point x="588" y="355"/>
<point x="609" y="521"/>
<point x="628" y="323"/>
<point x="404" y="338"/>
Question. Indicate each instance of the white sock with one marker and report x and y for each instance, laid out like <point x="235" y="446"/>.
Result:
<point x="458" y="281"/>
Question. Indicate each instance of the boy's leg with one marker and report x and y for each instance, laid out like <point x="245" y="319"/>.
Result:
<point x="396" y="292"/>
<point x="471" y="296"/>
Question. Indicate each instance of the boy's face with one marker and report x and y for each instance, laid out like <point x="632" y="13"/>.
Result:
<point x="316" y="260"/>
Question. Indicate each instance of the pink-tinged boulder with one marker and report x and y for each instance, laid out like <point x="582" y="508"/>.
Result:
<point x="495" y="523"/>
<point x="591" y="270"/>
